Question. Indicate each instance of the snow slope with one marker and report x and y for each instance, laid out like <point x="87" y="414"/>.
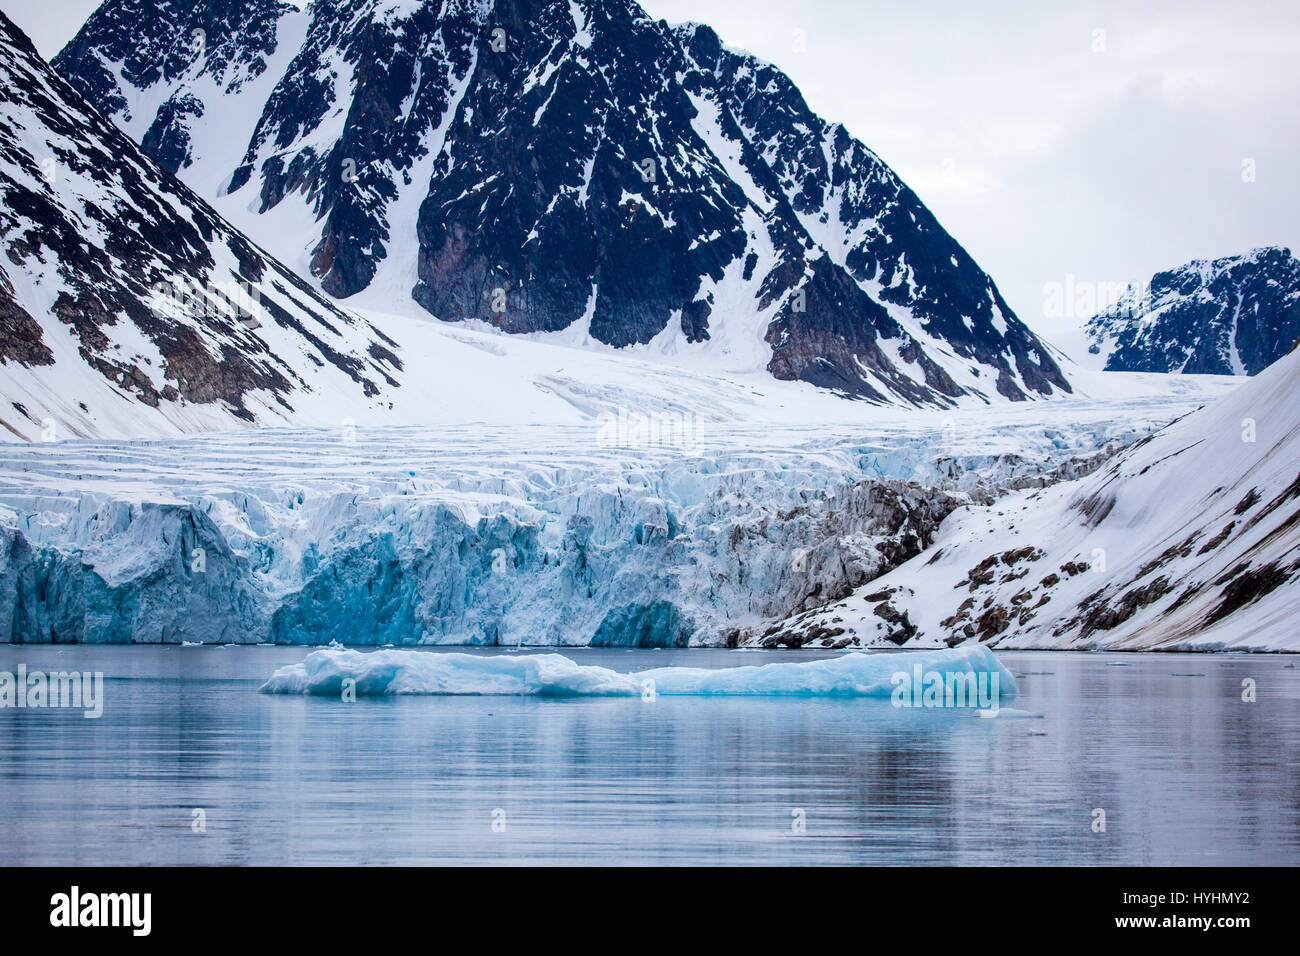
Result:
<point x="127" y="306"/>
<point x="1189" y="540"/>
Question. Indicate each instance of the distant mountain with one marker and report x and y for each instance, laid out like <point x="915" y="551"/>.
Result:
<point x="567" y="168"/>
<point x="1230" y="316"/>
<point x="123" y="295"/>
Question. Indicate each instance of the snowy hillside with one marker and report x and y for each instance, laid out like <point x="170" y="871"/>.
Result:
<point x="1189" y="540"/>
<point x="127" y="306"/>
<point x="1231" y="316"/>
<point x="568" y="169"/>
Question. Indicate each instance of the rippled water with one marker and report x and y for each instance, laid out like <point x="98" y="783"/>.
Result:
<point x="1185" y="770"/>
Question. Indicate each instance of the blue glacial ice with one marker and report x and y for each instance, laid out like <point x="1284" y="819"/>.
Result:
<point x="478" y="536"/>
<point x="390" y="672"/>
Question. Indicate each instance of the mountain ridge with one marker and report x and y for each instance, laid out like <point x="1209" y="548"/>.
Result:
<point x="119" y="283"/>
<point x="564" y="167"/>
<point x="1234" y="315"/>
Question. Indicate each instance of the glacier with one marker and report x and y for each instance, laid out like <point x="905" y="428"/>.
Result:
<point x="502" y="536"/>
<point x="390" y="672"/>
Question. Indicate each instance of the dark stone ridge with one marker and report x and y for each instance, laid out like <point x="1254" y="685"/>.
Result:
<point x="21" y="339"/>
<point x="165" y="42"/>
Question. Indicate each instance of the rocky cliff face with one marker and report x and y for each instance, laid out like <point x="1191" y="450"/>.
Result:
<point x="1230" y="316"/>
<point x="546" y="165"/>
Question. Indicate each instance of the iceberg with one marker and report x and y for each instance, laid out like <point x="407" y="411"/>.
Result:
<point x="391" y="672"/>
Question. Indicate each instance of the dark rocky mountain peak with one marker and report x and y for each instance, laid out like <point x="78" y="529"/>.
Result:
<point x="1231" y="316"/>
<point x="568" y="167"/>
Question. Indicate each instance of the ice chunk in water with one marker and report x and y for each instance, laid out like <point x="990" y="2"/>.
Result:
<point x="386" y="672"/>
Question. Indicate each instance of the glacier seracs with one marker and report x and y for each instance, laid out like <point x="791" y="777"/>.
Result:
<point x="539" y="535"/>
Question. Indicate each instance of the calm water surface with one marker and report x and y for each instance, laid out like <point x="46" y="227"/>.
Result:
<point x="1186" y="772"/>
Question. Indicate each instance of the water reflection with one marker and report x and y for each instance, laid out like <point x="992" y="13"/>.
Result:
<point x="1186" y="771"/>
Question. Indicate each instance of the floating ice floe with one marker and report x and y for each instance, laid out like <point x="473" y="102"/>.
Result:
<point x="388" y="672"/>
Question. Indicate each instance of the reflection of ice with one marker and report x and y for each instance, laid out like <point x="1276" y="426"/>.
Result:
<point x="1011" y="713"/>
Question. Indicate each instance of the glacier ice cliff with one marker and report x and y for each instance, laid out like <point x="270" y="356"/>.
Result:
<point x="480" y="536"/>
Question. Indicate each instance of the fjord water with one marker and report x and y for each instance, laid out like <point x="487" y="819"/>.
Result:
<point x="1185" y="770"/>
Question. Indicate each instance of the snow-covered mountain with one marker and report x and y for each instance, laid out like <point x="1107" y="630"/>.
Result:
<point x="130" y="309"/>
<point x="127" y="304"/>
<point x="1230" y="316"/>
<point x="1189" y="539"/>
<point x="569" y="169"/>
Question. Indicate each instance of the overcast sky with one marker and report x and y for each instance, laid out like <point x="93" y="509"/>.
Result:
<point x="1105" y="140"/>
